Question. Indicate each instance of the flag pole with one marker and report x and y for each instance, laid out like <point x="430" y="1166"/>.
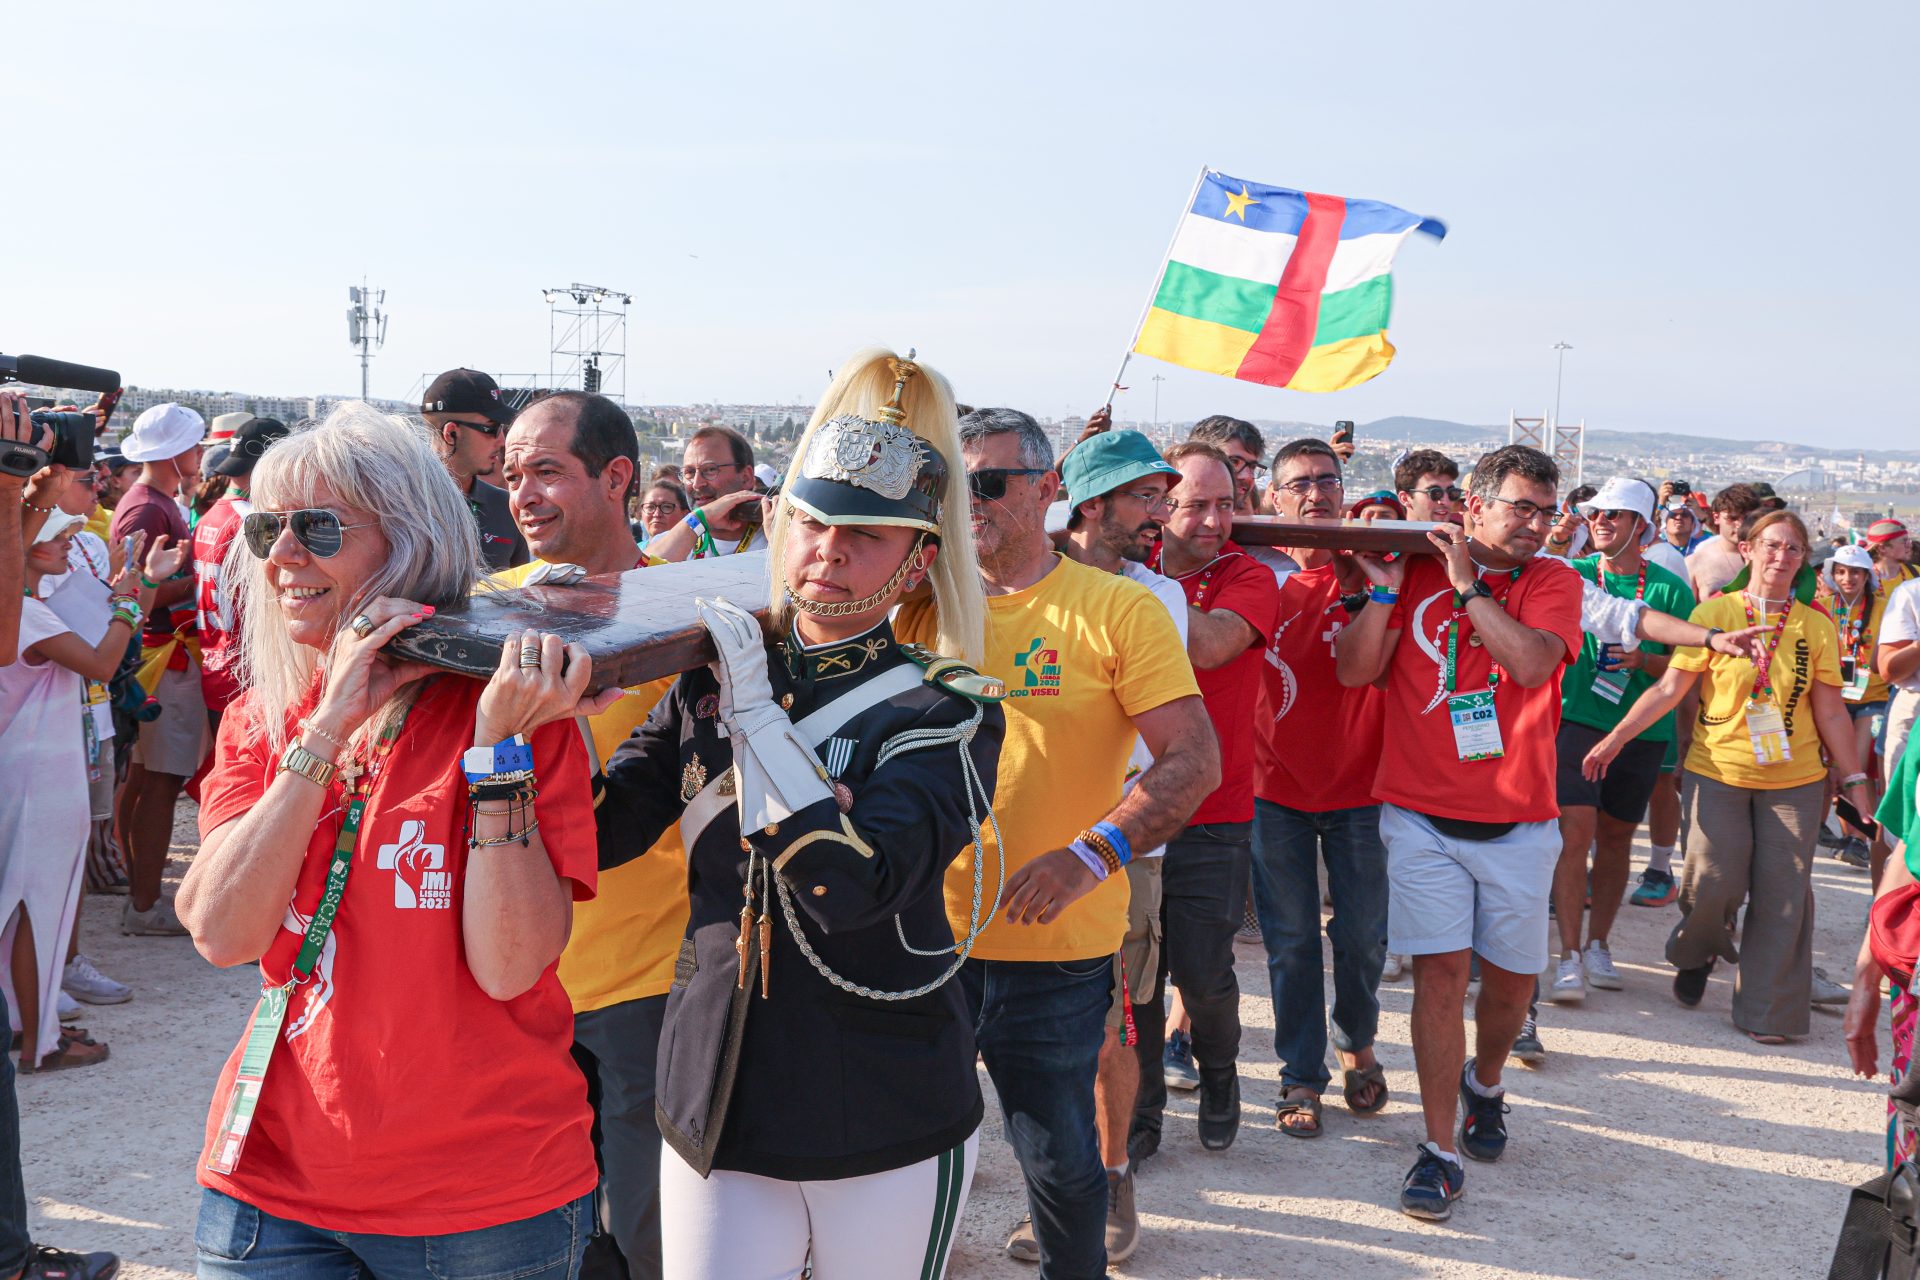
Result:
<point x="1155" y="292"/>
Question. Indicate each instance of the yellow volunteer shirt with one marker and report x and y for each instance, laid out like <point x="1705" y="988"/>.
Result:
<point x="100" y="523"/>
<point x="1722" y="748"/>
<point x="625" y="940"/>
<point x="1081" y="652"/>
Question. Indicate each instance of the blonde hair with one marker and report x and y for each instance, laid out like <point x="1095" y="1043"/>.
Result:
<point x="377" y="463"/>
<point x="863" y="385"/>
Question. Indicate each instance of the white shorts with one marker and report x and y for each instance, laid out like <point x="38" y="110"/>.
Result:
<point x="1447" y="894"/>
<point x="896" y="1225"/>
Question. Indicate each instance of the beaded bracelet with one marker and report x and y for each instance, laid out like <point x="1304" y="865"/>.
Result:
<point x="308" y="726"/>
<point x="44" y="511"/>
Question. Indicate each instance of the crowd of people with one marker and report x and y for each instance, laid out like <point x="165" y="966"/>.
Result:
<point x="1021" y="742"/>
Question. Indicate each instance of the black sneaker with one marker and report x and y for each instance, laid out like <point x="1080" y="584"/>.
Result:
<point x="1432" y="1185"/>
<point x="1691" y="984"/>
<point x="1527" y="1047"/>
<point x="1219" y="1107"/>
<point x="57" y="1264"/>
<point x="1855" y="853"/>
<point x="1483" y="1131"/>
<point x="1142" y="1144"/>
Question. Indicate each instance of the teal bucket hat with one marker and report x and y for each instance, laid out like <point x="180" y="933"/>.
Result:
<point x="1113" y="458"/>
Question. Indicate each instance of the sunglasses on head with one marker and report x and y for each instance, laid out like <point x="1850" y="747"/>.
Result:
<point x="991" y="482"/>
<point x="315" y="528"/>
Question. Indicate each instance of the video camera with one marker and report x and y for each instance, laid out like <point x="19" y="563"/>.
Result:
<point x="72" y="432"/>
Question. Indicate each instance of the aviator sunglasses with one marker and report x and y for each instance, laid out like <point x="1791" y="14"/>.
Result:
<point x="316" y="529"/>
<point x="991" y="482"/>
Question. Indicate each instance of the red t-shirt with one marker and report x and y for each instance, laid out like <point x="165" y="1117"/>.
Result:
<point x="216" y="609"/>
<point x="402" y="1099"/>
<point x="144" y="509"/>
<point x="1238" y="583"/>
<point x="1317" y="742"/>
<point x="1420" y="765"/>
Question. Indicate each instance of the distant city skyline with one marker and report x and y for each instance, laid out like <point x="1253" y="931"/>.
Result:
<point x="1688" y="196"/>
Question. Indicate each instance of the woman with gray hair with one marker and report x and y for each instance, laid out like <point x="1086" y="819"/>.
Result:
<point x="415" y="1024"/>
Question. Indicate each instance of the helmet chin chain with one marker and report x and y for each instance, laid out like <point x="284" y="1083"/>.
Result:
<point x="913" y="562"/>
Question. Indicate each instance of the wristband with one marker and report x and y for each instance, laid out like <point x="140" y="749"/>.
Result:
<point x="147" y="582"/>
<point x="512" y="755"/>
<point x="1853" y="780"/>
<point x="1117" y="838"/>
<point x="1711" y="633"/>
<point x="695" y="521"/>
<point x="1095" y="864"/>
<point x="1383" y="595"/>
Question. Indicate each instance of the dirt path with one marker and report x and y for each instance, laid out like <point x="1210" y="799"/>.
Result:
<point x="1657" y="1141"/>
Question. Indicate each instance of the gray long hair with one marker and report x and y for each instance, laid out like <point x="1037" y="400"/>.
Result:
<point x="376" y="463"/>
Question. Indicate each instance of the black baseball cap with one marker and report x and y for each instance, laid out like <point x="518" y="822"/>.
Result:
<point x="466" y="391"/>
<point x="250" y="440"/>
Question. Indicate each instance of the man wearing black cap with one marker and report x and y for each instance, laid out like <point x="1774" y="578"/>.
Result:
<point x="467" y="417"/>
<point x="218" y="619"/>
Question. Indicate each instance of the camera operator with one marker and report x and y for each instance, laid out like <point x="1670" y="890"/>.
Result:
<point x="19" y="1257"/>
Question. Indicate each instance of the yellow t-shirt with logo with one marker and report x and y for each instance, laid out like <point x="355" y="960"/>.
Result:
<point x="624" y="941"/>
<point x="1876" y="690"/>
<point x="1081" y="652"/>
<point x="1722" y="748"/>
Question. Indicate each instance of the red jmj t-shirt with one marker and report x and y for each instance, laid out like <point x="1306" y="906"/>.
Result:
<point x="1238" y="583"/>
<point x="215" y="608"/>
<point x="1420" y="765"/>
<point x="1317" y="742"/>
<point x="402" y="1099"/>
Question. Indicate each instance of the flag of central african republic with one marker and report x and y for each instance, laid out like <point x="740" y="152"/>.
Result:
<point x="1283" y="287"/>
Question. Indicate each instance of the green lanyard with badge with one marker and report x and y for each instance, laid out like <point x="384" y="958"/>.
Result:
<point x="270" y="1014"/>
<point x="1854" y="674"/>
<point x="1476" y="720"/>
<point x="1766" y="726"/>
<point x="1609" y="681"/>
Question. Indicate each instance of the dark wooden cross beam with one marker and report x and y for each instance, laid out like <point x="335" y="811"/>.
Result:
<point x="636" y="626"/>
<point x="640" y="625"/>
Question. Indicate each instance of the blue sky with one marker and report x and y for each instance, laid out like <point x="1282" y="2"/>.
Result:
<point x="1701" y="198"/>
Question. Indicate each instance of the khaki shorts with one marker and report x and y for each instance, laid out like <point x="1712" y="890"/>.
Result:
<point x="1137" y="963"/>
<point x="176" y="741"/>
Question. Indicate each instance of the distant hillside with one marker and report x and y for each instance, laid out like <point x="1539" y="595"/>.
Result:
<point x="1599" y="440"/>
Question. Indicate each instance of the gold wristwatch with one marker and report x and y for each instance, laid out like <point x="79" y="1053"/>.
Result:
<point x="308" y="765"/>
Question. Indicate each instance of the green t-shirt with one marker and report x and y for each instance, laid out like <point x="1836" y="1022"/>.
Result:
<point x="1896" y="814"/>
<point x="1600" y="699"/>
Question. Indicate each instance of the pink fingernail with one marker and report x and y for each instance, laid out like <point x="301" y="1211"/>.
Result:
<point x="421" y="616"/>
<point x="426" y="608"/>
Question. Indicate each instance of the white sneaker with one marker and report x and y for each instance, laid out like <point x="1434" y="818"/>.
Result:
<point x="1569" y="981"/>
<point x="67" y="1008"/>
<point x="84" y="982"/>
<point x="157" y="920"/>
<point x="1600" y="970"/>
<point x="1394" y="969"/>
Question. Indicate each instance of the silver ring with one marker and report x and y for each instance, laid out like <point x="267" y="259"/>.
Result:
<point x="361" y="626"/>
<point x="529" y="657"/>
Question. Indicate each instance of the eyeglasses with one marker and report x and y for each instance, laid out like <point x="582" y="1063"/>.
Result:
<point x="1435" y="492"/>
<point x="491" y="429"/>
<point x="1241" y="466"/>
<point x="658" y="508"/>
<point x="711" y="471"/>
<point x="316" y="529"/>
<point x="1222" y="506"/>
<point x="990" y="483"/>
<point x="1529" y="512"/>
<point x="1304" y="485"/>
<point x="1613" y="515"/>
<point x="1781" y="548"/>
<point x="1152" y="501"/>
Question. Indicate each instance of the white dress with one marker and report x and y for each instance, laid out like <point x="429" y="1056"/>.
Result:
<point x="43" y="815"/>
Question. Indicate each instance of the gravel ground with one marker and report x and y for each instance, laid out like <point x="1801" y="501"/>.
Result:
<point x="1657" y="1141"/>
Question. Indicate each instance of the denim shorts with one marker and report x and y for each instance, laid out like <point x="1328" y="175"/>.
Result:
<point x="1448" y="894"/>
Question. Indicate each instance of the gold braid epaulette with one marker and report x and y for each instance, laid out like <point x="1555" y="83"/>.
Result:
<point x="955" y="676"/>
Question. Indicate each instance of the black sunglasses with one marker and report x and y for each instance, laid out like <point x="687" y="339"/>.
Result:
<point x="991" y="482"/>
<point x="317" y="529"/>
<point x="1434" y="492"/>
<point x="484" y="428"/>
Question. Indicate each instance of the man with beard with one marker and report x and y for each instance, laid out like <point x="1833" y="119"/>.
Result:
<point x="1243" y="445"/>
<point x="1428" y="482"/>
<point x="1117" y="486"/>
<point x="467" y="417"/>
<point x="1316" y="745"/>
<point x="728" y="512"/>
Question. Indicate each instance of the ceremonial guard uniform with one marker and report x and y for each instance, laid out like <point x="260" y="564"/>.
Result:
<point x="811" y="1034"/>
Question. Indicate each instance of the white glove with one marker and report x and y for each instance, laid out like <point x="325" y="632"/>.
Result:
<point x="779" y="773"/>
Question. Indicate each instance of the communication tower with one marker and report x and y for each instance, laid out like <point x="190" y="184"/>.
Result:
<point x="366" y="325"/>
<point x="587" y="339"/>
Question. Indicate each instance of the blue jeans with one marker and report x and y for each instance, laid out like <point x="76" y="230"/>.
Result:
<point x="1039" y="1025"/>
<point x="13" y="1187"/>
<point x="1288" y="845"/>
<point x="235" y="1241"/>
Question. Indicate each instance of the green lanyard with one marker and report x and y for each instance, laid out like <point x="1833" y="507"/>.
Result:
<point x="1453" y="637"/>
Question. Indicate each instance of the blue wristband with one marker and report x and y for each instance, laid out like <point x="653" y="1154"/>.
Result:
<point x="1118" y="839"/>
<point x="515" y="755"/>
<point x="694" y="520"/>
<point x="1092" y="859"/>
<point x="1384" y="595"/>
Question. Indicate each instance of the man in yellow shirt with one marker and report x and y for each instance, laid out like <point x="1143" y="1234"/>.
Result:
<point x="569" y="462"/>
<point x="1090" y="660"/>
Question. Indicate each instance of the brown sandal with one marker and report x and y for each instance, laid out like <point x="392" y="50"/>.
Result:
<point x="1300" y="1101"/>
<point x="1358" y="1081"/>
<point x="71" y="1053"/>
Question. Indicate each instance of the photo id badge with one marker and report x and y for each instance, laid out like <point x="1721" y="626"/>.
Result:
<point x="1610" y="685"/>
<point x="1476" y="725"/>
<point x="237" y="1117"/>
<point x="1769" y="733"/>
